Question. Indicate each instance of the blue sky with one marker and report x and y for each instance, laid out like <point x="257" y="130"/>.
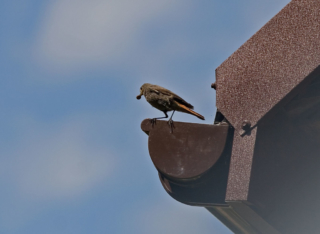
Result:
<point x="73" y="158"/>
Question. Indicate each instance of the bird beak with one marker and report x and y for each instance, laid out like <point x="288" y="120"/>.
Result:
<point x="139" y="96"/>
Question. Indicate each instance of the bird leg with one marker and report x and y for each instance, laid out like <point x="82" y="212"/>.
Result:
<point x="154" y="120"/>
<point x="170" y="122"/>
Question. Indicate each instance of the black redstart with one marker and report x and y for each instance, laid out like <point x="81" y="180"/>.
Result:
<point x="165" y="100"/>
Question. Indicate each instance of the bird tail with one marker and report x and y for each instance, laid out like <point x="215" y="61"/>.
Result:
<point x="187" y="110"/>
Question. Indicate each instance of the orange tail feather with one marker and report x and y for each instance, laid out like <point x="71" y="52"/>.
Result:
<point x="187" y="110"/>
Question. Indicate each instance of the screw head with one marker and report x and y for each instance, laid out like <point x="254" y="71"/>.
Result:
<point x="246" y="124"/>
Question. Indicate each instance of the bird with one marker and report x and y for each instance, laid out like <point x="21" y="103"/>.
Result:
<point x="165" y="101"/>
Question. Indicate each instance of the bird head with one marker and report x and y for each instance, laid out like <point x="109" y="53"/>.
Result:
<point x="142" y="89"/>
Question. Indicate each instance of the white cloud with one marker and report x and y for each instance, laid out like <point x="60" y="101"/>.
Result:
<point x="61" y="165"/>
<point x="50" y="163"/>
<point x="56" y="161"/>
<point x="79" y="32"/>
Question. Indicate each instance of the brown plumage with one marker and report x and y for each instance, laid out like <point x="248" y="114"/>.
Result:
<point x="165" y="100"/>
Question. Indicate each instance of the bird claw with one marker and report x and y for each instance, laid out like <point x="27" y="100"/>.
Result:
<point x="170" y="123"/>
<point x="153" y="121"/>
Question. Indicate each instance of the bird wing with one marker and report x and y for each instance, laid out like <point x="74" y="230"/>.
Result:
<point x="159" y="89"/>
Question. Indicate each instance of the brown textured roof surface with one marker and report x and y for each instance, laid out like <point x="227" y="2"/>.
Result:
<point x="270" y="64"/>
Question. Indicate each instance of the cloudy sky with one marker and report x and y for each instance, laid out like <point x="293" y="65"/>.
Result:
<point x="73" y="158"/>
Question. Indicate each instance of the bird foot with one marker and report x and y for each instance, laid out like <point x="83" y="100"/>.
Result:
<point x="153" y="121"/>
<point x="170" y="123"/>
